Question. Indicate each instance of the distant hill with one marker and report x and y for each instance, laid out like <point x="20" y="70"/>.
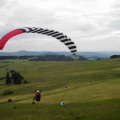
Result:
<point x="100" y="54"/>
<point x="32" y="53"/>
<point x="88" y="55"/>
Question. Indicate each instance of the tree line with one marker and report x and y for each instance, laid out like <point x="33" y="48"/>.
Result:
<point x="115" y="56"/>
<point x="44" y="58"/>
<point x="52" y="58"/>
<point x="14" y="77"/>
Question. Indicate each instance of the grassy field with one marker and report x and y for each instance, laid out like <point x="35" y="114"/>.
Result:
<point x="89" y="89"/>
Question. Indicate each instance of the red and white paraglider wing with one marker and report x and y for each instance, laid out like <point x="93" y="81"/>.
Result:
<point x="60" y="36"/>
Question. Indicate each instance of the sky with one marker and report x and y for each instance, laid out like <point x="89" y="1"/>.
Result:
<point x="94" y="25"/>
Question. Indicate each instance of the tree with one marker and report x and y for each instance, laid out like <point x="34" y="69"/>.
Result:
<point x="8" y="79"/>
<point x="115" y="56"/>
<point x="17" y="78"/>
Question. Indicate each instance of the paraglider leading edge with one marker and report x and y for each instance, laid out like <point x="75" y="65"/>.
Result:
<point x="60" y="36"/>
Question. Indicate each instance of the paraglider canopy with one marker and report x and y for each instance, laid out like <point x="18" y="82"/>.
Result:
<point x="59" y="36"/>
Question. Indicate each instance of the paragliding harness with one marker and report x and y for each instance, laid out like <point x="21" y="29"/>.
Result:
<point x="38" y="97"/>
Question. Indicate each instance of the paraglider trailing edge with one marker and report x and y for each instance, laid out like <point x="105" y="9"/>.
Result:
<point x="58" y="35"/>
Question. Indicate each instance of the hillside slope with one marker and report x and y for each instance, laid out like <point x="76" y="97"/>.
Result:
<point x="88" y="88"/>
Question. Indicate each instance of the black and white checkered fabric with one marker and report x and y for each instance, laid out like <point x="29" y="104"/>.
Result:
<point x="60" y="36"/>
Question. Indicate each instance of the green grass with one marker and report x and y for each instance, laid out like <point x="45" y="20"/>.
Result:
<point x="97" y="110"/>
<point x="89" y="89"/>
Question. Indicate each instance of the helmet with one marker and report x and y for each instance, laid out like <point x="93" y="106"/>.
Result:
<point x="37" y="90"/>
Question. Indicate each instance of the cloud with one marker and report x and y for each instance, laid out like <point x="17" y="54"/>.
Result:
<point x="116" y="4"/>
<point x="84" y="21"/>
